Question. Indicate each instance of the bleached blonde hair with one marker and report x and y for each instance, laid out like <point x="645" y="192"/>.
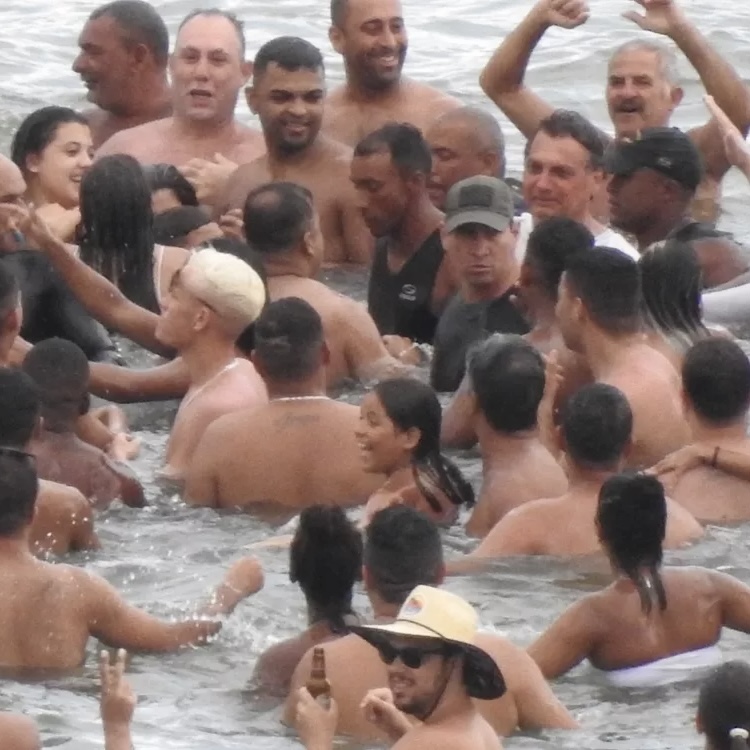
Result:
<point x="226" y="284"/>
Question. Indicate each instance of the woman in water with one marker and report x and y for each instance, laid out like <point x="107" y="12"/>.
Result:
<point x="653" y="625"/>
<point x="53" y="149"/>
<point x="399" y="436"/>
<point x="671" y="283"/>
<point x="116" y="232"/>
<point x="724" y="707"/>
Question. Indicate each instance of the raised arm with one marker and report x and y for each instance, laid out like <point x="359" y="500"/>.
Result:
<point x="503" y="77"/>
<point x="123" y="385"/>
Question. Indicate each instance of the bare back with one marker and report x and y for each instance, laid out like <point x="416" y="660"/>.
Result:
<point x="348" y="120"/>
<point x="63" y="521"/>
<point x="160" y="142"/>
<point x="713" y="496"/>
<point x="286" y="455"/>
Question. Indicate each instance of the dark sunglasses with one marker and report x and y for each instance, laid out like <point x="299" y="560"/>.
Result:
<point x="411" y="657"/>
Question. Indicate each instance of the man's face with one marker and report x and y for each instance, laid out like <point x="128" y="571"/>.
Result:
<point x="558" y="179"/>
<point x="383" y="196"/>
<point x="455" y="157"/>
<point x="104" y="63"/>
<point x="638" y="94"/>
<point x="634" y="200"/>
<point x="207" y="70"/>
<point x="181" y="314"/>
<point x="568" y="314"/>
<point x="479" y="254"/>
<point x="290" y="106"/>
<point x="373" y="42"/>
<point x="416" y="688"/>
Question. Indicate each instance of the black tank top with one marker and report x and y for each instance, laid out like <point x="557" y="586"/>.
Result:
<point x="400" y="303"/>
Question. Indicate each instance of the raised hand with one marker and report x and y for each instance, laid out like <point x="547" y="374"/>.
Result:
<point x="208" y="177"/>
<point x="379" y="710"/>
<point x="117" y="703"/>
<point x="735" y="147"/>
<point x="661" y="16"/>
<point x="567" y="14"/>
<point x="315" y="722"/>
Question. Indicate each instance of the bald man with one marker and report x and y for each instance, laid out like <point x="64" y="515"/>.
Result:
<point x="465" y="142"/>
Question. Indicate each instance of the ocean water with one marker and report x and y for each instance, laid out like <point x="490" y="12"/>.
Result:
<point x="168" y="557"/>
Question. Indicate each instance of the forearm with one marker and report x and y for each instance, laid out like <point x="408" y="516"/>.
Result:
<point x="732" y="462"/>
<point x="123" y="385"/>
<point x="117" y="737"/>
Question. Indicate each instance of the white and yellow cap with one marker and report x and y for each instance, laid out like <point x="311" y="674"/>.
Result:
<point x="437" y="614"/>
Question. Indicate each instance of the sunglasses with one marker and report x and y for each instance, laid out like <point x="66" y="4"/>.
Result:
<point x="411" y="657"/>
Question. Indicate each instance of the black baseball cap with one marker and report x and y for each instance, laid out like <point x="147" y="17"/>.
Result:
<point x="479" y="200"/>
<point x="668" y="151"/>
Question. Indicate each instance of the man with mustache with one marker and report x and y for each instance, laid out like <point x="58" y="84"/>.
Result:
<point x="642" y="86"/>
<point x="288" y="94"/>
<point x="371" y="37"/>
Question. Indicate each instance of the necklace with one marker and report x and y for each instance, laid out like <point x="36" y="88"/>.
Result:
<point x="189" y="399"/>
<point x="301" y="398"/>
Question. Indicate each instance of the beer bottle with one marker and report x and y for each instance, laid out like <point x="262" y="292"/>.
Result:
<point x="318" y="686"/>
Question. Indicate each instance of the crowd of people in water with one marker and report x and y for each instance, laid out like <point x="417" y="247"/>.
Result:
<point x="572" y="316"/>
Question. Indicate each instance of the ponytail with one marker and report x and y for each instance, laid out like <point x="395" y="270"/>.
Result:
<point x="738" y="739"/>
<point x="650" y="588"/>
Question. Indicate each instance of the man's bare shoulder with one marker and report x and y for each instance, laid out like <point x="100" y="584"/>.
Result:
<point x="62" y="496"/>
<point x="249" y="145"/>
<point x="429" y="95"/>
<point x="18" y="732"/>
<point x="138" y="141"/>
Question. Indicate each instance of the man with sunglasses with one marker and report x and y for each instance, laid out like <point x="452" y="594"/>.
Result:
<point x="403" y="549"/>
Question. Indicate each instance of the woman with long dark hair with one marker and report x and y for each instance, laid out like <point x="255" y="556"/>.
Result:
<point x="116" y="232"/>
<point x="399" y="437"/>
<point x="653" y="625"/>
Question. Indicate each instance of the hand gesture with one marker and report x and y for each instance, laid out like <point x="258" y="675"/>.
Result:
<point x="379" y="710"/>
<point x="208" y="177"/>
<point x="315" y="723"/>
<point x="567" y="14"/>
<point x="15" y="217"/>
<point x="661" y="16"/>
<point x="232" y="225"/>
<point x="118" y="700"/>
<point x="735" y="147"/>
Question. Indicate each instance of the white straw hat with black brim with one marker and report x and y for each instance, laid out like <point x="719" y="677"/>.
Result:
<point x="434" y="614"/>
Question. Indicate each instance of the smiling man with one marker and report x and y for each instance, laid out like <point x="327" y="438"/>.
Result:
<point x="288" y="95"/>
<point x="207" y="69"/>
<point x="371" y="37"/>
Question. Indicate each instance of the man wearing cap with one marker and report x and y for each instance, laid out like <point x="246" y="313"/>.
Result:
<point x="654" y="179"/>
<point x="479" y="241"/>
<point x="434" y="671"/>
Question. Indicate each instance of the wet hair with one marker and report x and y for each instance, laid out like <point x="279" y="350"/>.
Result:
<point x="631" y="519"/>
<point x="20" y="407"/>
<point x="403" y="549"/>
<point x="716" y="380"/>
<point x="409" y="404"/>
<point x="116" y="232"/>
<point x="666" y="56"/>
<point x="409" y="151"/>
<point x="19" y="486"/>
<point x="507" y="378"/>
<point x="9" y="289"/>
<point x="549" y="246"/>
<point x="326" y="560"/>
<point x="237" y="25"/>
<point x="60" y="370"/>
<point x="671" y="285"/>
<point x="289" y="340"/>
<point x="724" y="705"/>
<point x="38" y="130"/>
<point x="172" y="226"/>
<point x="609" y="285"/>
<point x="565" y="123"/>
<point x="597" y="424"/>
<point x="485" y="130"/>
<point x="140" y="24"/>
<point x="168" y="177"/>
<point x="290" y="53"/>
<point x="277" y="216"/>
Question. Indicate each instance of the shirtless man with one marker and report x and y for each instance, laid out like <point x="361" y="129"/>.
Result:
<point x="403" y="549"/>
<point x="213" y="298"/>
<point x="123" y="64"/>
<point x="288" y="95"/>
<point x="281" y="224"/>
<point x="19" y="732"/>
<point x="464" y="142"/>
<point x="506" y="376"/>
<point x="207" y="70"/>
<point x="599" y="318"/>
<point x="410" y="283"/>
<point x="325" y="561"/>
<point x="236" y="464"/>
<point x="595" y="436"/>
<point x="371" y="37"/>
<point x="654" y="179"/>
<point x="64" y="519"/>
<point x="60" y="372"/>
<point x="51" y="611"/>
<point x="716" y="394"/>
<point x="562" y="170"/>
<point x="642" y="86"/>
